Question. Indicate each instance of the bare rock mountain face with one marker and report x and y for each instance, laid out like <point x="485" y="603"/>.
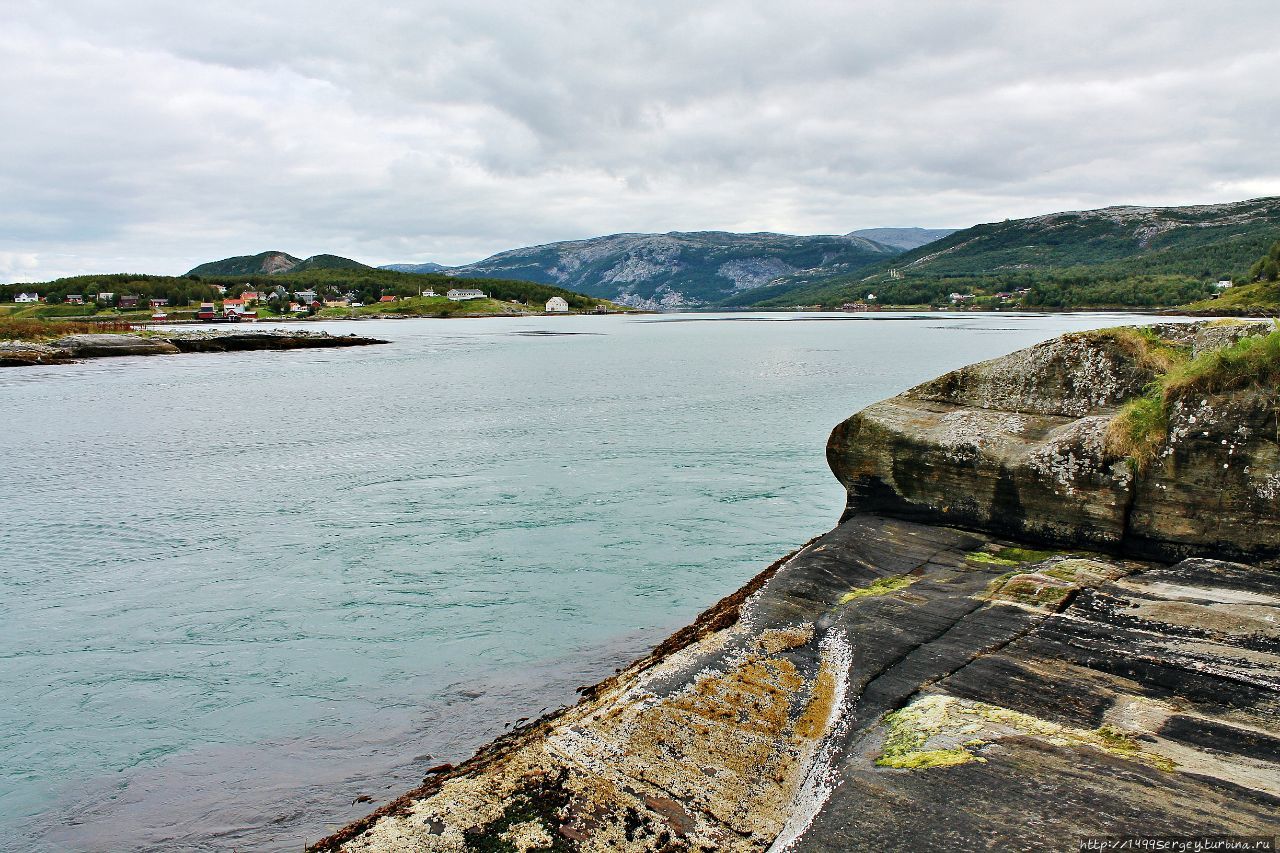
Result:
<point x="1017" y="637"/>
<point x="679" y="269"/>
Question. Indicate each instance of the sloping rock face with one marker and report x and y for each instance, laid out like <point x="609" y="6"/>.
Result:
<point x="898" y="686"/>
<point x="1016" y="446"/>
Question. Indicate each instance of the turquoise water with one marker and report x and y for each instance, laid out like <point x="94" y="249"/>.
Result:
<point x="240" y="589"/>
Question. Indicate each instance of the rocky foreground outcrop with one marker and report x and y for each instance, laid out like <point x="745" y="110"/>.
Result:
<point x="906" y="684"/>
<point x="75" y="347"/>
<point x="1018" y="446"/>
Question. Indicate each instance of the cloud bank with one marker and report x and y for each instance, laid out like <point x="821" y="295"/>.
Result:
<point x="150" y="136"/>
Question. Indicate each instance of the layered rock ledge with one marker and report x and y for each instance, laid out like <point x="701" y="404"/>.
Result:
<point x="1017" y="446"/>
<point x="76" y="347"/>
<point x="920" y="678"/>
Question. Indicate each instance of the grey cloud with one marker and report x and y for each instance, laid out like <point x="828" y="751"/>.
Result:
<point x="156" y="135"/>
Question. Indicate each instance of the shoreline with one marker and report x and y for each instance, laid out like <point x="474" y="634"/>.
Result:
<point x="72" y="349"/>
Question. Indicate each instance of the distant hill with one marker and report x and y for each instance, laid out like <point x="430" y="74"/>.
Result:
<point x="273" y="263"/>
<point x="905" y="239"/>
<point x="1256" y="293"/>
<point x="418" y="268"/>
<point x="1114" y="256"/>
<point x="679" y="268"/>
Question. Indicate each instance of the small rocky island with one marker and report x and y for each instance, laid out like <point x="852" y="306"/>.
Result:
<point x="71" y="348"/>
<point x="1051" y="610"/>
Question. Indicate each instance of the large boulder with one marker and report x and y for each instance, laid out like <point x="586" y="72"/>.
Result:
<point x="1016" y="446"/>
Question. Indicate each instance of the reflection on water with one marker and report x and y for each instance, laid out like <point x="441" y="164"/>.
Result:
<point x="241" y="589"/>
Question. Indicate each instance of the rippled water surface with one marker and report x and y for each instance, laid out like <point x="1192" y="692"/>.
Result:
<point x="240" y="590"/>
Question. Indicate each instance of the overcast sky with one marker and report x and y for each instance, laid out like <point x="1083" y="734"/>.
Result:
<point x="149" y="135"/>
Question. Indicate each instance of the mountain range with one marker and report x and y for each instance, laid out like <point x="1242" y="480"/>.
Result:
<point x="681" y="269"/>
<point x="1120" y="250"/>
<point x="1125" y="255"/>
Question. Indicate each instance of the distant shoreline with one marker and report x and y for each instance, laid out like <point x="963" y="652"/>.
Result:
<point x="74" y="348"/>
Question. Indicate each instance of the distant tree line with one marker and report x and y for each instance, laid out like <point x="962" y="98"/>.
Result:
<point x="1267" y="267"/>
<point x="364" y="285"/>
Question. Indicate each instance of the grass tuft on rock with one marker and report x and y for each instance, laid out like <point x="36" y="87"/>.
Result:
<point x="1252" y="362"/>
<point x="1145" y="346"/>
<point x="1010" y="556"/>
<point x="883" y="586"/>
<point x="1141" y="428"/>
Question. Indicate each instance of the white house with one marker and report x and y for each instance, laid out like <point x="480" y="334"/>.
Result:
<point x="557" y="305"/>
<point x="458" y="295"/>
<point x="1223" y="284"/>
<point x="27" y="297"/>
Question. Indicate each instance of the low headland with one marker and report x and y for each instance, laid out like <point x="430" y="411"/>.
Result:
<point x="1050" y="610"/>
<point x="66" y="343"/>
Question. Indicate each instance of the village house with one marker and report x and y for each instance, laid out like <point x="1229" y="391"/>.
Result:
<point x="235" y="305"/>
<point x="129" y="301"/>
<point x="159" y="302"/>
<point x="250" y="296"/>
<point x="430" y="291"/>
<point x="105" y="298"/>
<point x="27" y="297"/>
<point x="388" y="298"/>
<point x="1223" y="284"/>
<point x="220" y="288"/>
<point x="959" y="298"/>
<point x="305" y="296"/>
<point x="75" y="299"/>
<point x="557" y="305"/>
<point x="461" y="295"/>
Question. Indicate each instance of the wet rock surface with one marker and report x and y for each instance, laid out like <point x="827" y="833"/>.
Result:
<point x="902" y="686"/>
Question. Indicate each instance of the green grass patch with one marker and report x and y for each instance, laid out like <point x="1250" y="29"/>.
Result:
<point x="35" y="329"/>
<point x="924" y="759"/>
<point x="1010" y="557"/>
<point x="1145" y="346"/>
<point x="883" y="586"/>
<point x="1141" y="427"/>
